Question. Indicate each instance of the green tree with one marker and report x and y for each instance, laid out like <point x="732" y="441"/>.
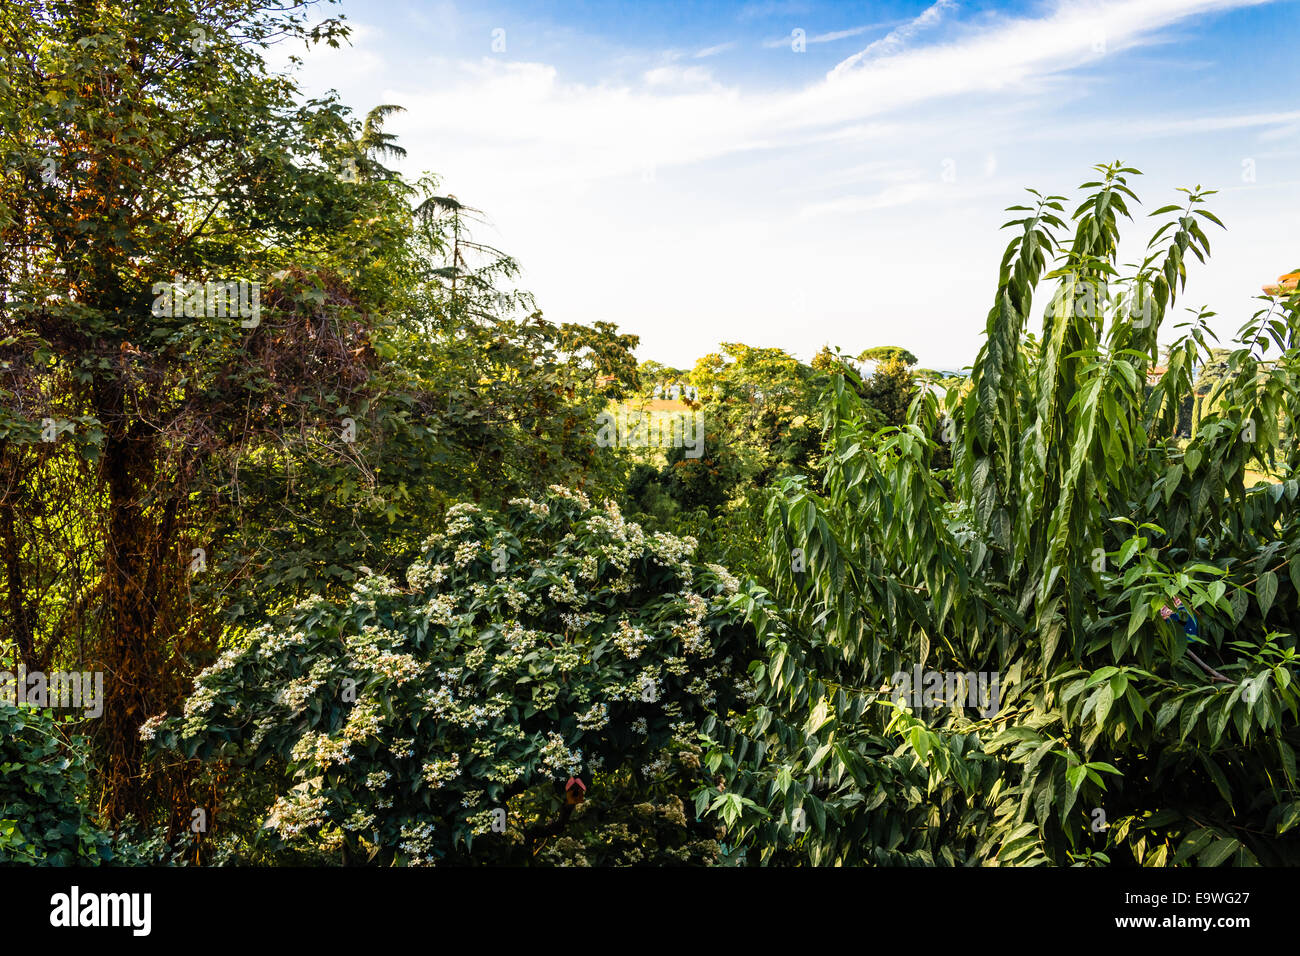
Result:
<point x="1078" y="532"/>
<point x="146" y="144"/>
<point x="891" y="390"/>
<point x="887" y="353"/>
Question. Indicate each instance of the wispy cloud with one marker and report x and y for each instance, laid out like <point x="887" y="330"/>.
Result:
<point x="721" y="181"/>
<point x="685" y="114"/>
<point x="897" y="39"/>
<point x="833" y="35"/>
<point x="715" y="50"/>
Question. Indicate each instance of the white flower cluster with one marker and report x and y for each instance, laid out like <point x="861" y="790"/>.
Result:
<point x="671" y="551"/>
<point x="506" y="773"/>
<point x="438" y="702"/>
<point x="580" y="620"/>
<point x="629" y="691"/>
<point x="395" y="667"/>
<point x="377" y="779"/>
<point x="559" y="759"/>
<point x="296" y="694"/>
<point x="566" y="658"/>
<point x="441" y="610"/>
<point x="565" y="591"/>
<point x="365" y="720"/>
<point x="310" y="603"/>
<point x="366" y="589"/>
<point x="747" y="690"/>
<point x="481" y="822"/>
<point x="476" y="716"/>
<point x="416" y="841"/>
<point x="421" y="575"/>
<point x="647" y="683"/>
<point x="596" y="718"/>
<point x="683" y="731"/>
<point x="624" y="541"/>
<point x="691" y="632"/>
<point x="658" y="766"/>
<point x="438" y="772"/>
<point x="402" y="747"/>
<point x="458" y="518"/>
<point x="515" y="596"/>
<point x="321" y="749"/>
<point x="545" y="697"/>
<point x="262" y="726"/>
<point x="540" y="509"/>
<point x="700" y="687"/>
<point x="519" y="638"/>
<point x="359" y="820"/>
<point x="275" y="645"/>
<point x="631" y="640"/>
<point x="200" y="702"/>
<point x="443" y="705"/>
<point x="231" y="656"/>
<point x="467" y="551"/>
<point x="292" y="815"/>
<point x="149" y="729"/>
<point x="573" y="495"/>
<point x="729" y="582"/>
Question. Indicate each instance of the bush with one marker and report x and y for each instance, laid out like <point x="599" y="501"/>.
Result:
<point x="42" y="785"/>
<point x="556" y="641"/>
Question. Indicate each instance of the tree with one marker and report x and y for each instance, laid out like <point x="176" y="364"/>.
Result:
<point x="887" y="353"/>
<point x="1137" y="603"/>
<point x="891" y="391"/>
<point x="145" y="145"/>
<point x="227" y="353"/>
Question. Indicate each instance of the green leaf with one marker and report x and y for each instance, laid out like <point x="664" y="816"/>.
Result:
<point x="1105" y="697"/>
<point x="1217" y="852"/>
<point x="1266" y="591"/>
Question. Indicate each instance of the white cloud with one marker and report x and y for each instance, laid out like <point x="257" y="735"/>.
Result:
<point x="691" y="210"/>
<point x="831" y="36"/>
<point x="896" y="39"/>
<point x="681" y="77"/>
<point x="714" y="50"/>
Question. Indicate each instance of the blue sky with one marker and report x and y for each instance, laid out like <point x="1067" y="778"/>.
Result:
<point x="700" y="173"/>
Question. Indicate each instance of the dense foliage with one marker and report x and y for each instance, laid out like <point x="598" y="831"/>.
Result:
<point x="301" y="532"/>
<point x="1077" y="519"/>
<point x="42" y="792"/>
<point x="555" y="642"/>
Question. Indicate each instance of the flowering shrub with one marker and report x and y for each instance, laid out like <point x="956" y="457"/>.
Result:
<point x="555" y="641"/>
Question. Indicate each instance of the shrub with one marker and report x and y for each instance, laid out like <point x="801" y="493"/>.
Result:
<point x="42" y="784"/>
<point x="555" y="641"/>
